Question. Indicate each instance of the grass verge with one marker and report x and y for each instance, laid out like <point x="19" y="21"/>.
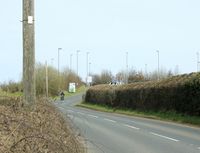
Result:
<point x="165" y="116"/>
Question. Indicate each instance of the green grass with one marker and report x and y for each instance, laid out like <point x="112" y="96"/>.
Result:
<point x="7" y="94"/>
<point x="166" y="116"/>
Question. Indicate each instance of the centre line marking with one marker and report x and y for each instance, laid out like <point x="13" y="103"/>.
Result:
<point x="92" y="116"/>
<point x="162" y="136"/>
<point x="109" y="120"/>
<point x="70" y="116"/>
<point x="70" y="111"/>
<point x="80" y="113"/>
<point x="132" y="127"/>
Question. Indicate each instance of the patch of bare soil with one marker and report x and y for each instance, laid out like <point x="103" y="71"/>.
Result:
<point x="43" y="130"/>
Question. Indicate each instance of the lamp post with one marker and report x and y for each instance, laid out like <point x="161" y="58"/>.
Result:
<point x="127" y="68"/>
<point x="59" y="49"/>
<point x="87" y="59"/>
<point x="90" y="68"/>
<point x="71" y="62"/>
<point x="198" y="62"/>
<point x="158" y="75"/>
<point x="77" y="61"/>
<point x="146" y="75"/>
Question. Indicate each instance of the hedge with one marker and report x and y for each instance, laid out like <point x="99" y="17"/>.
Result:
<point x="178" y="93"/>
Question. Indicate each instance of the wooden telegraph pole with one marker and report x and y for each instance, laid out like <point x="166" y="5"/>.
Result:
<point x="28" y="53"/>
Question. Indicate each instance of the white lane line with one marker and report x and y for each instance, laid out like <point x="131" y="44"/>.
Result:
<point x="80" y="113"/>
<point x="162" y="136"/>
<point x="106" y="119"/>
<point x="61" y="108"/>
<point x="199" y="148"/>
<point x="132" y="127"/>
<point x="133" y="122"/>
<point x="70" y="111"/>
<point x="93" y="116"/>
<point x="70" y="116"/>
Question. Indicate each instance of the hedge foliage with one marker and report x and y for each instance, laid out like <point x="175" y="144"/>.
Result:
<point x="178" y="93"/>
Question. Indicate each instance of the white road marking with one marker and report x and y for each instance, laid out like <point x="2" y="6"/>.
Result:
<point x="133" y="122"/>
<point x="109" y="120"/>
<point x="162" y="136"/>
<point x="70" y="111"/>
<point x="93" y="116"/>
<point x="132" y="127"/>
<point x="70" y="116"/>
<point x="199" y="148"/>
<point x="80" y="113"/>
<point x="61" y="108"/>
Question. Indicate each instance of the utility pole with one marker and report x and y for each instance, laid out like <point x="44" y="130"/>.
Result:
<point x="28" y="53"/>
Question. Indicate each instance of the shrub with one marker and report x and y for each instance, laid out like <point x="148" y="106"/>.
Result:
<point x="178" y="93"/>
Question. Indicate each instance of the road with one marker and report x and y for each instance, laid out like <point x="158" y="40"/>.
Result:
<point x="112" y="133"/>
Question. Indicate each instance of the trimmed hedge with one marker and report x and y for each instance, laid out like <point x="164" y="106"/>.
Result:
<point x="179" y="93"/>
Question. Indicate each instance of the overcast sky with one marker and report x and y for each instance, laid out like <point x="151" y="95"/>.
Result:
<point x="107" y="29"/>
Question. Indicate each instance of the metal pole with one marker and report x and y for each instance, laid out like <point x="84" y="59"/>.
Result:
<point x="197" y="61"/>
<point x="158" y="64"/>
<point x="127" y="75"/>
<point x="146" y="71"/>
<point x="77" y="60"/>
<point x="71" y="62"/>
<point x="59" y="61"/>
<point x="47" y="85"/>
<point x="90" y="68"/>
<point x="59" y="68"/>
<point x="87" y="63"/>
<point x="28" y="52"/>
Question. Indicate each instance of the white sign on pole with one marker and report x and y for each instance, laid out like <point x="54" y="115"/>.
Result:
<point x="30" y="19"/>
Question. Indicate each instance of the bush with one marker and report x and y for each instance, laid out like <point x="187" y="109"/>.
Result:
<point x="178" y="93"/>
<point x="42" y="130"/>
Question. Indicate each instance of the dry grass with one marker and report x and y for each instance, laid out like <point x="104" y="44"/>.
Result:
<point x="43" y="130"/>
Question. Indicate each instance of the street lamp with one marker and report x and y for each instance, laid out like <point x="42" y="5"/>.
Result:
<point x="77" y="60"/>
<point x="146" y="75"/>
<point x="158" y="75"/>
<point x="87" y="59"/>
<point x="90" y="68"/>
<point x="198" y="62"/>
<point x="127" y="67"/>
<point x="71" y="62"/>
<point x="59" y="49"/>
